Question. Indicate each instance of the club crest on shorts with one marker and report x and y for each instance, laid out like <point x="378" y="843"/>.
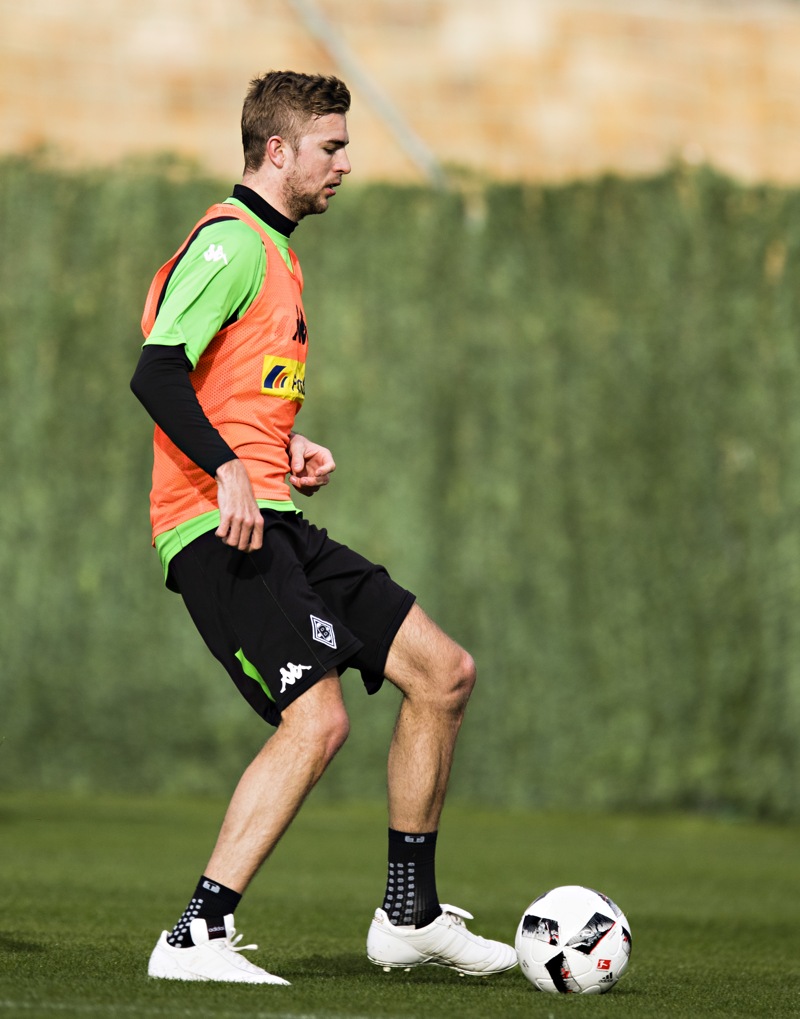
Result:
<point x="323" y="632"/>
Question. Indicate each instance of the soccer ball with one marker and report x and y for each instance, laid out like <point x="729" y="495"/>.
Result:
<point x="573" y="940"/>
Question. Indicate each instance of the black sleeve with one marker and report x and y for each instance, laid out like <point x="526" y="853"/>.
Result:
<point x="161" y="383"/>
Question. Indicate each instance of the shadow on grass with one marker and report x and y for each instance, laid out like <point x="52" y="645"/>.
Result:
<point x="19" y="946"/>
<point x="354" y="965"/>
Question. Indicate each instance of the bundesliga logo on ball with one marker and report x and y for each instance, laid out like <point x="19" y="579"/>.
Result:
<point x="573" y="940"/>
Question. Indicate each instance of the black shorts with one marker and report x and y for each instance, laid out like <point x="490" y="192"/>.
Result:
<point x="280" y="618"/>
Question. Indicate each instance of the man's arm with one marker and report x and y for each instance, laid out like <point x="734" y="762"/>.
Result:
<point x="161" y="383"/>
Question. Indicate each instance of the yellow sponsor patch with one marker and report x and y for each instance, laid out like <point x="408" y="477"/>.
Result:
<point x="281" y="376"/>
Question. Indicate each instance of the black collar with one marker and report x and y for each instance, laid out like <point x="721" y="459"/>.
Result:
<point x="260" y="207"/>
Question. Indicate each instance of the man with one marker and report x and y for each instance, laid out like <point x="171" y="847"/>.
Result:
<point x="283" y="607"/>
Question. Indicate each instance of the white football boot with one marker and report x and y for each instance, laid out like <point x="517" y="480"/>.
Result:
<point x="208" y="959"/>
<point x="445" y="942"/>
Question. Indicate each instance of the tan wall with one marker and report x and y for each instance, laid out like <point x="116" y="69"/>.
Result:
<point x="534" y="89"/>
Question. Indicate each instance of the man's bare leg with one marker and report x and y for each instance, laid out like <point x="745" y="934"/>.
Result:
<point x="274" y="786"/>
<point x="267" y="798"/>
<point x="436" y="677"/>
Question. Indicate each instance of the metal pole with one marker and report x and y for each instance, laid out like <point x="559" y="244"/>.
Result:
<point x="352" y="69"/>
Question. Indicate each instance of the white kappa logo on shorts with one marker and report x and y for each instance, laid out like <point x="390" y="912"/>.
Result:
<point x="323" y="632"/>
<point x="291" y="674"/>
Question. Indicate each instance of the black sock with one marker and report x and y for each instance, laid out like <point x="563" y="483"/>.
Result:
<point x="211" y="902"/>
<point x="411" y="896"/>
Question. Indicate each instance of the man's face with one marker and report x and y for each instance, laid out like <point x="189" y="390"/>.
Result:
<point x="315" y="169"/>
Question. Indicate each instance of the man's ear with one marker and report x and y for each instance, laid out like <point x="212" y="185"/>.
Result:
<point x="276" y="151"/>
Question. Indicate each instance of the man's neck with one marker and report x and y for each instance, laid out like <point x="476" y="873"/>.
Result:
<point x="260" y="207"/>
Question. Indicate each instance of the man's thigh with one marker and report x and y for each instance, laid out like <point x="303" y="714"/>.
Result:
<point x="281" y="618"/>
<point x="262" y="620"/>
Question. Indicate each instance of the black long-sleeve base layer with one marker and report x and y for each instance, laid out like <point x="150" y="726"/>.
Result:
<point x="161" y="383"/>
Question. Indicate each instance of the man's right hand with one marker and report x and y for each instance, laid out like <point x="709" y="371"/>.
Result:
<point x="241" y="524"/>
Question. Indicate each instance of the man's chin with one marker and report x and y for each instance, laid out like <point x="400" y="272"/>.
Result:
<point x="311" y="209"/>
<point x="321" y="206"/>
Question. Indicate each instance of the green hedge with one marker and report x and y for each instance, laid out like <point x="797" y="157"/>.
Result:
<point x="567" y="417"/>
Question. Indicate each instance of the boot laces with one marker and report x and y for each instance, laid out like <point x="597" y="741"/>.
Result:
<point x="233" y="943"/>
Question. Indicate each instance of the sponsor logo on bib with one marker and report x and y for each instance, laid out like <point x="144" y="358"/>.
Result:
<point x="283" y="377"/>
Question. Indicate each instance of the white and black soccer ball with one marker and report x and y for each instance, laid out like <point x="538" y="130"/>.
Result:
<point x="573" y="940"/>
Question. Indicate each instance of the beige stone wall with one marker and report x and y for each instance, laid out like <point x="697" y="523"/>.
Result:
<point x="532" y="89"/>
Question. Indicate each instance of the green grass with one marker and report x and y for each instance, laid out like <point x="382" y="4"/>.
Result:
<point x="88" y="884"/>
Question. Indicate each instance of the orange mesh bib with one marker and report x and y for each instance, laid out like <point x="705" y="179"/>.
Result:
<point x="250" y="382"/>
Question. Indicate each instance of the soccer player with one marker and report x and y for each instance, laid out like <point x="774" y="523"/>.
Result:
<point x="283" y="607"/>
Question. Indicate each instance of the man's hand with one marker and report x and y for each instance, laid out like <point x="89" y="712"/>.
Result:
<point x="311" y="465"/>
<point x="241" y="524"/>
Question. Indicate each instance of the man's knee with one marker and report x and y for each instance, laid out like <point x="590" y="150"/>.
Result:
<point x="319" y="719"/>
<point x="449" y="685"/>
<point x="463" y="678"/>
<point x="428" y="666"/>
<point x="332" y="730"/>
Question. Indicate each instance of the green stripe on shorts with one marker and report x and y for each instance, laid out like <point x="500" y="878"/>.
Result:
<point x="250" y="670"/>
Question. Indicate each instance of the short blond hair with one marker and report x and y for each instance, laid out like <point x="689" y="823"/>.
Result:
<point x="281" y="103"/>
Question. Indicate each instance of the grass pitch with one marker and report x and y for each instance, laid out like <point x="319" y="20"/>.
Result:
<point x="87" y="885"/>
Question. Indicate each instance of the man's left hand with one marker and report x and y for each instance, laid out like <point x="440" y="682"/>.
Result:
<point x="311" y="465"/>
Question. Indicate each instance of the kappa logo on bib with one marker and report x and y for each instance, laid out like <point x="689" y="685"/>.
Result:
<point x="283" y="377"/>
